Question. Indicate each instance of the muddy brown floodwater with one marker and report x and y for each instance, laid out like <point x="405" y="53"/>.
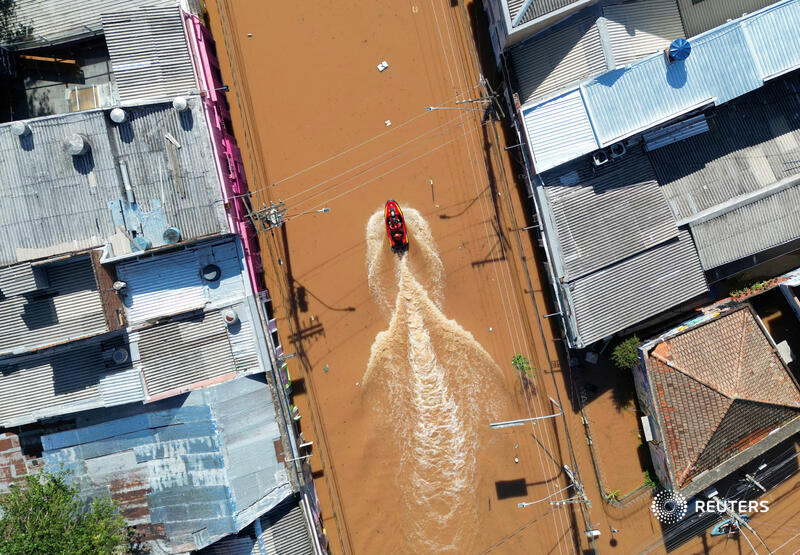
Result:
<point x="424" y="375"/>
<point x="405" y="360"/>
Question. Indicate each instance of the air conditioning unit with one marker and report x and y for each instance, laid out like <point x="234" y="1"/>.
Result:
<point x="599" y="158"/>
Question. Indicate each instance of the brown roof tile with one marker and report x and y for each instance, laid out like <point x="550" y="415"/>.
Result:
<point x="721" y="388"/>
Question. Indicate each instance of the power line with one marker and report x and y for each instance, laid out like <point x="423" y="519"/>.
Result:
<point x="352" y="148"/>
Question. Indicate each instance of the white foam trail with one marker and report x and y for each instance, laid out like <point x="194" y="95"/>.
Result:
<point x="423" y="377"/>
<point x="382" y="263"/>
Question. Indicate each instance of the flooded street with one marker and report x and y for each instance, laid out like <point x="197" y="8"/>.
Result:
<point x="402" y="361"/>
<point x="433" y="388"/>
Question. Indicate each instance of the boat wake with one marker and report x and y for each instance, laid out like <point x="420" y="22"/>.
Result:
<point x="432" y="385"/>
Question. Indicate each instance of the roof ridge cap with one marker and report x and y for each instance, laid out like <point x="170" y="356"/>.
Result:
<point x="766" y="403"/>
<point x="738" y="381"/>
<point x="677" y="369"/>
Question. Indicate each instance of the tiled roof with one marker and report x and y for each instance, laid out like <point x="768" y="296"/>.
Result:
<point x="718" y="389"/>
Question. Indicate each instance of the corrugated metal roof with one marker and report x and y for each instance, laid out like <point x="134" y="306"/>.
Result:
<point x="179" y="354"/>
<point x="55" y="20"/>
<point x="283" y="532"/>
<point x="627" y="101"/>
<point x="185" y="352"/>
<point x="535" y="9"/>
<point x="552" y="60"/>
<point x="774" y="39"/>
<point x="635" y="289"/>
<point x="53" y="203"/>
<point x="638" y="29"/>
<point x="699" y="17"/>
<point x="178" y="467"/>
<point x="69" y="308"/>
<point x="751" y="143"/>
<point x="558" y="130"/>
<point x="64" y="381"/>
<point x="612" y="213"/>
<point x="19" y="279"/>
<point x="590" y="42"/>
<point x="749" y="229"/>
<point x="156" y="68"/>
<point x="171" y="283"/>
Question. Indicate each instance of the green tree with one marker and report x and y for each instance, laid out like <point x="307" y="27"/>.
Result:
<point x="626" y="354"/>
<point x="527" y="374"/>
<point x="44" y="514"/>
<point x="523" y="366"/>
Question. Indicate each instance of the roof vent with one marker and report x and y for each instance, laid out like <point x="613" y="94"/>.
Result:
<point x="119" y="356"/>
<point x="211" y="272"/>
<point x="77" y="145"/>
<point x="678" y="50"/>
<point x="617" y="150"/>
<point x="118" y="115"/>
<point x="180" y="103"/>
<point x="230" y="316"/>
<point x="172" y="235"/>
<point x="20" y="128"/>
<point x="599" y="158"/>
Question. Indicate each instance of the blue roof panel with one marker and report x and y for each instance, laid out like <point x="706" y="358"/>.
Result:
<point x="725" y="63"/>
<point x="768" y="36"/>
<point x="200" y="461"/>
<point x="633" y="99"/>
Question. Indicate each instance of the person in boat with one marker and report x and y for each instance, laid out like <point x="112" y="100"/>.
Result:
<point x="395" y="226"/>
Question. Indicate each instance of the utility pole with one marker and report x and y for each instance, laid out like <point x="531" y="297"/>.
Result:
<point x="580" y="498"/>
<point x="268" y="217"/>
<point x="743" y="523"/>
<point x="755" y="482"/>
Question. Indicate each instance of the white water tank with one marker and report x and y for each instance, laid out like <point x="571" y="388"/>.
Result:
<point x="118" y="115"/>
<point x="180" y="103"/>
<point x="77" y="144"/>
<point x="20" y="128"/>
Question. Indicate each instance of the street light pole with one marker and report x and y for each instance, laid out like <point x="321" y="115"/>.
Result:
<point x="521" y="421"/>
<point x="432" y="108"/>
<point x="318" y="211"/>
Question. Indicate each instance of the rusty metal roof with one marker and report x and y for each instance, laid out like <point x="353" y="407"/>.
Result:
<point x="187" y="471"/>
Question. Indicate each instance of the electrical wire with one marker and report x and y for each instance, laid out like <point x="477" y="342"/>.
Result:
<point x="518" y="338"/>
